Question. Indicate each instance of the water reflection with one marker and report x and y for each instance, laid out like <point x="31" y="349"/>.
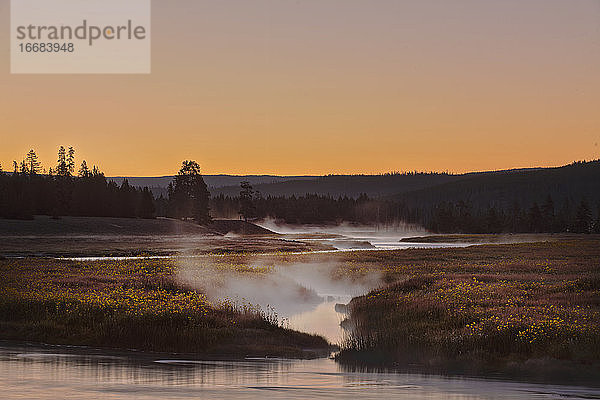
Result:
<point x="50" y="373"/>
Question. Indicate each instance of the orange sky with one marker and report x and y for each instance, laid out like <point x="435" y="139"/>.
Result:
<point x="329" y="86"/>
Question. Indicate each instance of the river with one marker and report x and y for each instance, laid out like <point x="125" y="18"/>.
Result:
<point x="35" y="372"/>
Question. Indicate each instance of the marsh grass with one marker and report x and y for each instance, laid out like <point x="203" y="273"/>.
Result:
<point x="134" y="305"/>
<point x="481" y="307"/>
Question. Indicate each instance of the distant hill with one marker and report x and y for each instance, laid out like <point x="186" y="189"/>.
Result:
<point x="335" y="185"/>
<point x="347" y="185"/>
<point x="574" y="182"/>
<point x="159" y="184"/>
<point x="500" y="188"/>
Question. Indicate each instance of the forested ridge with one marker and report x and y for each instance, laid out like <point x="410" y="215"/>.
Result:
<point x="543" y="200"/>
<point x="564" y="199"/>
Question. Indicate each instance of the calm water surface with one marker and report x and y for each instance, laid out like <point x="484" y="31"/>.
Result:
<point x="62" y="373"/>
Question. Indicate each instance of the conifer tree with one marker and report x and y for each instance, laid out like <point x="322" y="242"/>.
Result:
<point x="188" y="194"/>
<point x="71" y="161"/>
<point x="84" y="172"/>
<point x="61" y="166"/>
<point x="33" y="164"/>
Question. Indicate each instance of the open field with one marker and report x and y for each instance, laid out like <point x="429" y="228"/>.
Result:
<point x="134" y="305"/>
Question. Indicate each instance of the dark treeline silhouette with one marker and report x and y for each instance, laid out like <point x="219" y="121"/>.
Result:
<point x="312" y="209"/>
<point x="347" y="185"/>
<point x="187" y="195"/>
<point x="565" y="199"/>
<point x="27" y="191"/>
<point x="447" y="217"/>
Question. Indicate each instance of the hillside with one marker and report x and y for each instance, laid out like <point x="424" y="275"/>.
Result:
<point x="335" y="185"/>
<point x="562" y="199"/>
<point x="347" y="185"/>
<point x="572" y="182"/>
<point x="159" y="184"/>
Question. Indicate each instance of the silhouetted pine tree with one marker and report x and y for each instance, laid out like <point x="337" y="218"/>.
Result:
<point x="247" y="207"/>
<point x="146" y="208"/>
<point x="33" y="164"/>
<point x="583" y="218"/>
<point x="188" y="194"/>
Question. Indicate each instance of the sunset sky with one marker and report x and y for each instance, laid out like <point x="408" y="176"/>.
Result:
<point x="327" y="86"/>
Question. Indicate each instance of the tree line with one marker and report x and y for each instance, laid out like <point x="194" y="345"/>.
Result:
<point x="444" y="217"/>
<point x="466" y="206"/>
<point x="61" y="191"/>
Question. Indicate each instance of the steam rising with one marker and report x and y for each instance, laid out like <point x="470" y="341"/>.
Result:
<point x="303" y="293"/>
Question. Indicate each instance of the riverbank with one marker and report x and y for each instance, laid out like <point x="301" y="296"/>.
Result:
<point x="496" y="238"/>
<point x="124" y="237"/>
<point x="528" y="310"/>
<point x="135" y="305"/>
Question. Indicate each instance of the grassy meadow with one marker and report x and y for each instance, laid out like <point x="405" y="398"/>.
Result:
<point x="134" y="305"/>
<point x="529" y="308"/>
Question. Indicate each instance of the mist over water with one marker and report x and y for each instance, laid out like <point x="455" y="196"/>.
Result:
<point x="301" y="295"/>
<point x="347" y="236"/>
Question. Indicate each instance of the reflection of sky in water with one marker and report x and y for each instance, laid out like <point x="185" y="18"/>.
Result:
<point x="323" y="320"/>
<point x="58" y="373"/>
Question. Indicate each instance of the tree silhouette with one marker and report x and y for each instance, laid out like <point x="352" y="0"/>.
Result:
<point x="188" y="194"/>
<point x="33" y="164"/>
<point x="583" y="218"/>
<point x="548" y="217"/>
<point x="146" y="206"/>
<point x="23" y="167"/>
<point x="535" y="218"/>
<point x="61" y="164"/>
<point x="71" y="161"/>
<point x="84" y="172"/>
<point x="247" y="208"/>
